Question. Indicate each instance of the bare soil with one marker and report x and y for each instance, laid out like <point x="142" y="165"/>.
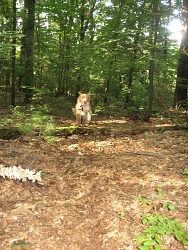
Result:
<point x="87" y="199"/>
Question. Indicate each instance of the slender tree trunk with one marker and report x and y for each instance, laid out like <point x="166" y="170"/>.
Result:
<point x="29" y="49"/>
<point x="131" y="70"/>
<point x="13" y="55"/>
<point x="130" y="80"/>
<point x="151" y="70"/>
<point x="180" y="94"/>
<point x="60" y="90"/>
<point x="21" y="76"/>
<point x="107" y="89"/>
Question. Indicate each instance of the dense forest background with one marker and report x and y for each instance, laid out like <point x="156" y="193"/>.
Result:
<point x="119" y="182"/>
<point x="120" y="51"/>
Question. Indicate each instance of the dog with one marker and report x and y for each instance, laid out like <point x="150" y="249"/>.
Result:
<point x="82" y="109"/>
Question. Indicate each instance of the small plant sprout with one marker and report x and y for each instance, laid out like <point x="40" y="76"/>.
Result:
<point x="121" y="214"/>
<point x="146" y="133"/>
<point x="19" y="243"/>
<point x="159" y="192"/>
<point x="185" y="172"/>
<point x="169" y="205"/>
<point x="144" y="201"/>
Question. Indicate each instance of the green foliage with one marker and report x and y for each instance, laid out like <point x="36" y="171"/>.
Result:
<point x="16" y="117"/>
<point x="138" y="95"/>
<point x="37" y="121"/>
<point x="122" y="214"/>
<point x="185" y="172"/>
<point x="98" y="109"/>
<point x="146" y="133"/>
<point x="157" y="226"/>
<point x="159" y="192"/>
<point x="99" y="47"/>
<point x="51" y="139"/>
<point x="55" y="106"/>
<point x="26" y="129"/>
<point x="144" y="201"/>
<point x="19" y="243"/>
<point x="32" y="121"/>
<point x="170" y="206"/>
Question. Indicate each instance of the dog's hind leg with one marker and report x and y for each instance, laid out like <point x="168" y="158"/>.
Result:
<point x="82" y="120"/>
<point x="78" y="120"/>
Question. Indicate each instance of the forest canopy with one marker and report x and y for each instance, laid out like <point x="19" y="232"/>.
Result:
<point x="120" y="51"/>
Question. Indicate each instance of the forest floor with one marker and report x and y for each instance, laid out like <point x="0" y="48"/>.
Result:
<point x="96" y="187"/>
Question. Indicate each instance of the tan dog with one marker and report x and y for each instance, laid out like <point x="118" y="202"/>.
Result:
<point x="82" y="109"/>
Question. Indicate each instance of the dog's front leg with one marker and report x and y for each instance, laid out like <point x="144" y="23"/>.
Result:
<point x="80" y="117"/>
<point x="89" y="116"/>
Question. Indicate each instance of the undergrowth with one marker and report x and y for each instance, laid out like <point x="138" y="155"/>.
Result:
<point x="19" y="244"/>
<point x="37" y="121"/>
<point x="31" y="121"/>
<point x="157" y="226"/>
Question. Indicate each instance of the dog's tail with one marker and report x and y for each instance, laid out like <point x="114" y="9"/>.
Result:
<point x="74" y="111"/>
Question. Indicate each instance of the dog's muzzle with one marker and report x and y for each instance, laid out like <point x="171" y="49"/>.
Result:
<point x="84" y="103"/>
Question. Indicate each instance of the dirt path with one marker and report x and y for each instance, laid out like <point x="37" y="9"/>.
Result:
<point x="87" y="199"/>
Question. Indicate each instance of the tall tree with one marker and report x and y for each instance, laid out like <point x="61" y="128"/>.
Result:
<point x="29" y="49"/>
<point x="13" y="55"/>
<point x="180" y="94"/>
<point x="6" y="27"/>
<point x="153" y="50"/>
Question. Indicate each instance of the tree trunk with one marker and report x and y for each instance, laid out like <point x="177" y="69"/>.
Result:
<point x="21" y="77"/>
<point x="180" y="94"/>
<point x="151" y="70"/>
<point x="13" y="55"/>
<point x="133" y="59"/>
<point x="29" y="49"/>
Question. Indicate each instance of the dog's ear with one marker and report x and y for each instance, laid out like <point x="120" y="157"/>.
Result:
<point x="88" y="96"/>
<point x="80" y="93"/>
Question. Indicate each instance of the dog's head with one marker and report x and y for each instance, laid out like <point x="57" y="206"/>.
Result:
<point x="83" y="98"/>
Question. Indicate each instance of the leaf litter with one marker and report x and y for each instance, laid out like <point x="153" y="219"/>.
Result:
<point x="88" y="196"/>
